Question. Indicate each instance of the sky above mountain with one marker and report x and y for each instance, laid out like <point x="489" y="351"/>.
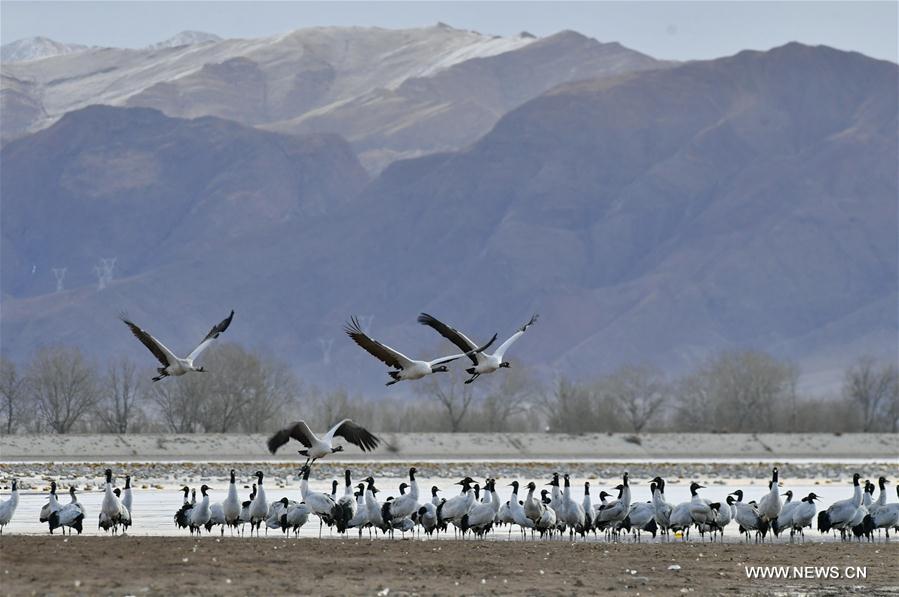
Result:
<point x="664" y="29"/>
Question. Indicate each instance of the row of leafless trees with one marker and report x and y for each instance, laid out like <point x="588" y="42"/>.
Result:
<point x="737" y="391"/>
<point x="61" y="391"/>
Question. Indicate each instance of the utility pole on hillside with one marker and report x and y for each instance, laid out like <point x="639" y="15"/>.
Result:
<point x="60" y="274"/>
<point x="104" y="272"/>
<point x="326" y="344"/>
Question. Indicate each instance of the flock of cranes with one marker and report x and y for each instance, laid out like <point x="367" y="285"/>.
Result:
<point x="115" y="509"/>
<point x="402" y="367"/>
<point x="479" y="510"/>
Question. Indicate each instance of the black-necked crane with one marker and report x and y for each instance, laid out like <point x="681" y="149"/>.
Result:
<point x="320" y="447"/>
<point x="482" y="363"/>
<point x="8" y="507"/>
<point x="404" y="368"/>
<point x="172" y="364"/>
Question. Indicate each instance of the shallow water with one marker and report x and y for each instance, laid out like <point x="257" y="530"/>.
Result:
<point x="154" y="508"/>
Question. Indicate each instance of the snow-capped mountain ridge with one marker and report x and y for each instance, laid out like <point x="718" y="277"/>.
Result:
<point x="36" y="48"/>
<point x="393" y="93"/>
<point x="186" y="38"/>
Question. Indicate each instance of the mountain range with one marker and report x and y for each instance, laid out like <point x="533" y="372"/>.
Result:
<point x="391" y="93"/>
<point x="652" y="213"/>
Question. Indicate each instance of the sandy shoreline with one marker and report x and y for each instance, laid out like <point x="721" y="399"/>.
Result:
<point x="881" y="447"/>
<point x="234" y="566"/>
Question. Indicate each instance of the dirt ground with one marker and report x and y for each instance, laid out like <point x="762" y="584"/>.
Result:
<point x="238" y="566"/>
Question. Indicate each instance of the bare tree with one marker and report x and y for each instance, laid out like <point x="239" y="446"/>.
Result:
<point x="63" y="385"/>
<point x="122" y="391"/>
<point x="693" y="409"/>
<point x="737" y="391"/>
<point x="638" y="393"/>
<point x="749" y="389"/>
<point x="322" y="410"/>
<point x="571" y="408"/>
<point x="13" y="395"/>
<point x="506" y="399"/>
<point x="230" y="393"/>
<point x="179" y="402"/>
<point x="241" y="392"/>
<point x="253" y="393"/>
<point x="874" y="392"/>
<point x="451" y="393"/>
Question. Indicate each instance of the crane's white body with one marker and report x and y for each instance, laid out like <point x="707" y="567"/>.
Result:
<point x="533" y="507"/>
<point x="373" y="508"/>
<point x="770" y="504"/>
<point x="320" y="504"/>
<point x="231" y="505"/>
<point x="802" y="515"/>
<point x="481" y="514"/>
<point x="128" y="497"/>
<point x="360" y="518"/>
<point x="785" y="518"/>
<point x="69" y="515"/>
<point x="51" y="506"/>
<point x="680" y="518"/>
<point x="724" y="515"/>
<point x="324" y="446"/>
<point x="548" y="520"/>
<point x="843" y="512"/>
<point x="8" y="507"/>
<point x="662" y="510"/>
<point x="112" y="512"/>
<point x="700" y="510"/>
<point x="640" y="514"/>
<point x="489" y="363"/>
<point x="200" y="514"/>
<point x="297" y="516"/>
<point x="172" y="364"/>
<point x="348" y="501"/>
<point x="216" y="517"/>
<point x="427" y="517"/>
<point x="615" y="511"/>
<point x="259" y="505"/>
<point x="455" y="508"/>
<point x="517" y="511"/>
<point x="404" y="505"/>
<point x="748" y="517"/>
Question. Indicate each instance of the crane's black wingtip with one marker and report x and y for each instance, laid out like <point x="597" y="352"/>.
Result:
<point x="352" y="327"/>
<point x="274" y="443"/>
<point x="531" y="322"/>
